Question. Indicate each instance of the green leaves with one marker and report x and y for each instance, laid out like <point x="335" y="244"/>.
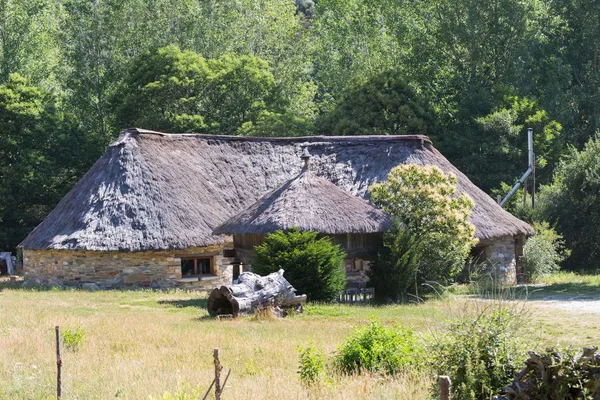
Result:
<point x="312" y="265"/>
<point x="179" y="91"/>
<point x="424" y="200"/>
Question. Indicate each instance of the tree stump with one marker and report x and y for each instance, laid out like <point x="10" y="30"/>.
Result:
<point x="252" y="292"/>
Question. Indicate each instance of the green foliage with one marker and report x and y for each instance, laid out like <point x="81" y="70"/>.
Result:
<point x="544" y="252"/>
<point x="424" y="199"/>
<point x="479" y="353"/>
<point x="385" y="105"/>
<point x="185" y="392"/>
<point x="375" y="348"/>
<point x="570" y="203"/>
<point x="180" y="91"/>
<point x="394" y="271"/>
<point x="312" y="365"/>
<point x="312" y="265"/>
<point x="42" y="153"/>
<point x="73" y="338"/>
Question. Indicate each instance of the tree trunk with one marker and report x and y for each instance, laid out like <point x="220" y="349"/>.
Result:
<point x="253" y="292"/>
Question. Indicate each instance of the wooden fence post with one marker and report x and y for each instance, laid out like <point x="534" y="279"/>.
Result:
<point x="218" y="369"/>
<point x="58" y="365"/>
<point x="445" y="385"/>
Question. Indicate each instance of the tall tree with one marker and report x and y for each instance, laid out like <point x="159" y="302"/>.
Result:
<point x="41" y="157"/>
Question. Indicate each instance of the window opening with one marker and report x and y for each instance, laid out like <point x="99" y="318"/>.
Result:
<point x="196" y="266"/>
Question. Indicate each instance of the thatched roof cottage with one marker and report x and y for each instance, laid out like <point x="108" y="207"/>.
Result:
<point x="145" y="213"/>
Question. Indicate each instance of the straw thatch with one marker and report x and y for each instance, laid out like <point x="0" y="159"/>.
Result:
<point x="153" y="191"/>
<point x="311" y="204"/>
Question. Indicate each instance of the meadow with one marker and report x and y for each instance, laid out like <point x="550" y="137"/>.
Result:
<point x="143" y="344"/>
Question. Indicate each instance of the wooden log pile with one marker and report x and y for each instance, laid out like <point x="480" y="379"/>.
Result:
<point x="253" y="292"/>
<point x="557" y="375"/>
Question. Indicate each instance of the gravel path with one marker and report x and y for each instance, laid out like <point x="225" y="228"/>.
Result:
<point x="580" y="304"/>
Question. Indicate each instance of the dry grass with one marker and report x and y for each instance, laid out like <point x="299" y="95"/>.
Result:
<point x="145" y="343"/>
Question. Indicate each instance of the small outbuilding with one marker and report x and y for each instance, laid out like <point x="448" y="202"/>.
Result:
<point x="312" y="203"/>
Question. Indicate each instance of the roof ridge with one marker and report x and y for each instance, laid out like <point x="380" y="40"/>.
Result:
<point x="134" y="132"/>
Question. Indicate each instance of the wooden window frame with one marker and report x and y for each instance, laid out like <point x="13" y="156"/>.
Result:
<point x="195" y="271"/>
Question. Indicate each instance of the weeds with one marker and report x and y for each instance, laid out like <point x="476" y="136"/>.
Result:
<point x="74" y="338"/>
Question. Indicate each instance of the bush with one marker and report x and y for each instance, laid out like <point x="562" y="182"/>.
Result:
<point x="312" y="265"/>
<point x="73" y="338"/>
<point x="395" y="269"/>
<point x="424" y="200"/>
<point x="312" y="365"/>
<point x="375" y="348"/>
<point x="479" y="354"/>
<point x="543" y="252"/>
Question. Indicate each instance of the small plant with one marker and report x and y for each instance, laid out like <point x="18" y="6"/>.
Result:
<point x="375" y="348"/>
<point x="185" y="392"/>
<point x="73" y="339"/>
<point x="479" y="353"/>
<point x="544" y="252"/>
<point x="312" y="365"/>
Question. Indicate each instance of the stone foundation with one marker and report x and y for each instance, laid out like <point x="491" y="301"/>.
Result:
<point x="116" y="269"/>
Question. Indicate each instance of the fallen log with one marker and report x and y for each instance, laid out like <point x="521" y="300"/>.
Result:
<point x="252" y="292"/>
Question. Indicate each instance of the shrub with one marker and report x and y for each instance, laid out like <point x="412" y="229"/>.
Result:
<point x="395" y="269"/>
<point x="375" y="348"/>
<point x="424" y="200"/>
<point x="543" y="252"/>
<point x="73" y="338"/>
<point x="479" y="353"/>
<point x="312" y="365"/>
<point x="312" y="265"/>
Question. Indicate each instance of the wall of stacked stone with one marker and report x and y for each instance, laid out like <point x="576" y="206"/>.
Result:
<point x="117" y="269"/>
<point x="501" y="259"/>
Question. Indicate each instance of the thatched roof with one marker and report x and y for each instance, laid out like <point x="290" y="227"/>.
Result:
<point x="310" y="203"/>
<point x="153" y="191"/>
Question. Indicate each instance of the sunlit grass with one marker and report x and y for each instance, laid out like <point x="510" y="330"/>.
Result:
<point x="144" y="343"/>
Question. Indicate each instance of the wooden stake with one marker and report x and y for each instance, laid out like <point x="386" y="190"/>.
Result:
<point x="218" y="369"/>
<point x="445" y="384"/>
<point x="58" y="365"/>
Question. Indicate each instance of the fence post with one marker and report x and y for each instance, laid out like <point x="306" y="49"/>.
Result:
<point x="445" y="385"/>
<point x="58" y="365"/>
<point x="218" y="369"/>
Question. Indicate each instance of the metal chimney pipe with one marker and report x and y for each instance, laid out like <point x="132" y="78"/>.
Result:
<point x="530" y="147"/>
<point x="529" y="170"/>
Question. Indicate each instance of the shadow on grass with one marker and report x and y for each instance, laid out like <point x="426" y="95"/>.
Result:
<point x="565" y="292"/>
<point x="8" y="284"/>
<point x="196" y="303"/>
<point x="572" y="291"/>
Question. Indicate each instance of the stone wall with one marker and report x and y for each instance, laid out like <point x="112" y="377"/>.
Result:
<point x="501" y="259"/>
<point x="117" y="269"/>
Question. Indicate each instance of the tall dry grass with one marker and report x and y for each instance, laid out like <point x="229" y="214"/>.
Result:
<point x="141" y="344"/>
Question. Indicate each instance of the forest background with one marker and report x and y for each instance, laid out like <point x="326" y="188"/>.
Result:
<point x="473" y="75"/>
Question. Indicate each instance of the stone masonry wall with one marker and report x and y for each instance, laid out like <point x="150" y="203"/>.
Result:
<point x="500" y="256"/>
<point x="116" y="269"/>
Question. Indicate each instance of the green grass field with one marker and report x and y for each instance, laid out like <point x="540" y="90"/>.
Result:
<point x="144" y="343"/>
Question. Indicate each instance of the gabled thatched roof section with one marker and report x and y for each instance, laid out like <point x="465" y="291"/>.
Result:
<point x="153" y="191"/>
<point x="311" y="204"/>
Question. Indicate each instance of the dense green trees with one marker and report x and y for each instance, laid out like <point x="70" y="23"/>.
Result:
<point x="42" y="154"/>
<point x="471" y="74"/>
<point x="572" y="203"/>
